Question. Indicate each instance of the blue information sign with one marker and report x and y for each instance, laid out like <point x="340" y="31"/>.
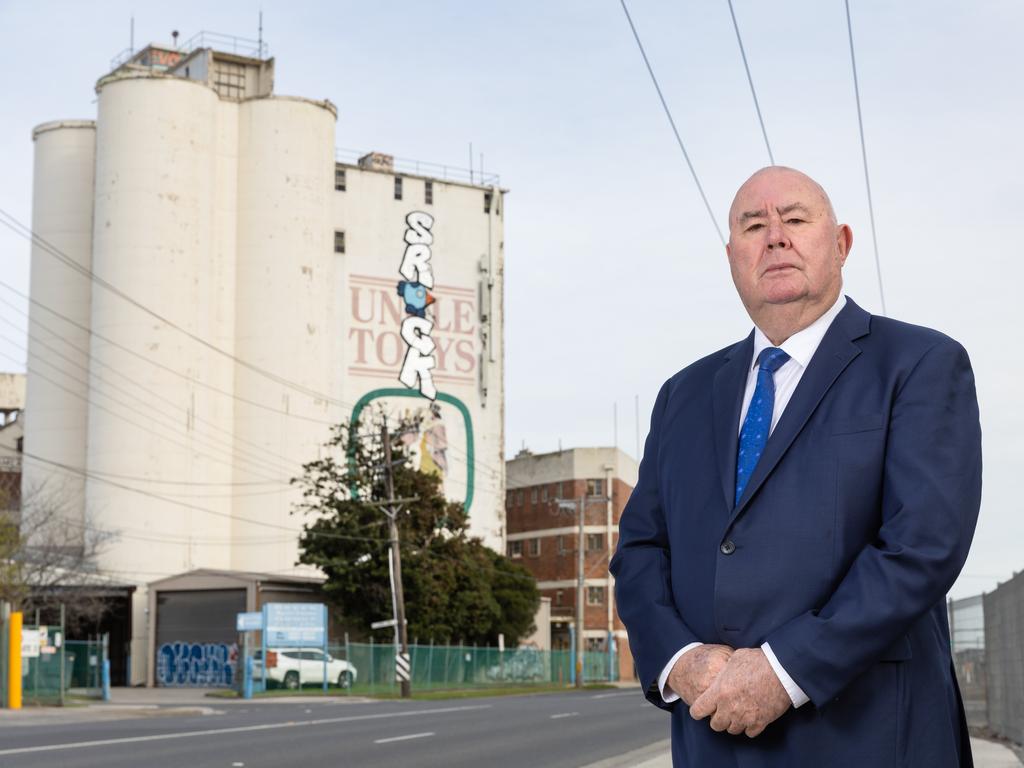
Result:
<point x="294" y="625"/>
<point x="250" y="621"/>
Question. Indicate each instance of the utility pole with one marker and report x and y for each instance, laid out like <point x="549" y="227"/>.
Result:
<point x="402" y="669"/>
<point x="578" y="506"/>
<point x="580" y="581"/>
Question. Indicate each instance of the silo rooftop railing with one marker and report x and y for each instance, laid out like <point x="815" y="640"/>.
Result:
<point x="404" y="165"/>
<point x="241" y="46"/>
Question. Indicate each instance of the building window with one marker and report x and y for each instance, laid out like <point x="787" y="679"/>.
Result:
<point x="533" y="495"/>
<point x="398" y="187"/>
<point x="559" y="491"/>
<point x="558" y="596"/>
<point x="595" y="487"/>
<point x="428" y="192"/>
<point x="339" y="241"/>
<point x="595" y="542"/>
<point x="487" y="202"/>
<point x="595" y="595"/>
<point x="520" y="498"/>
<point x="534" y="548"/>
<point x="544" y="493"/>
<point x="515" y="549"/>
<point x="339" y="179"/>
<point x="560" y="544"/>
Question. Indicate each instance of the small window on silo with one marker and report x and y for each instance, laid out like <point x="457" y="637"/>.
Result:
<point x="487" y="202"/>
<point x="339" y="241"/>
<point x="398" y="187"/>
<point x="428" y="192"/>
<point x="339" y="179"/>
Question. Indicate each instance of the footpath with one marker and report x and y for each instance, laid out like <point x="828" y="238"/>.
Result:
<point x="987" y="754"/>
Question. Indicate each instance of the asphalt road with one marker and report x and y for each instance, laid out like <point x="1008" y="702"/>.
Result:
<point x="563" y="730"/>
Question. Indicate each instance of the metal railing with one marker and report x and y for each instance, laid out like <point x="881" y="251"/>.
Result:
<point x="242" y="46"/>
<point x="421" y="168"/>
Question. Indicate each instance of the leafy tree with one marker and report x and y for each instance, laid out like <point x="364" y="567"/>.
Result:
<point x="455" y="587"/>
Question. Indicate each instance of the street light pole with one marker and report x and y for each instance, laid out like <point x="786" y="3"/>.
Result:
<point x="580" y="581"/>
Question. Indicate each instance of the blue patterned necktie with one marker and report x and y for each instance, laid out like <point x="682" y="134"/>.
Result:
<point x="758" y="423"/>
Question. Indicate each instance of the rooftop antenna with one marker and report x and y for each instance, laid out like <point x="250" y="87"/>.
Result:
<point x="471" y="162"/>
<point x="260" y="48"/>
<point x="174" y="37"/>
<point x="131" y="35"/>
<point x="615" y="421"/>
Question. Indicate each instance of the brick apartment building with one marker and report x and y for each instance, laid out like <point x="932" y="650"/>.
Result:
<point x="543" y="537"/>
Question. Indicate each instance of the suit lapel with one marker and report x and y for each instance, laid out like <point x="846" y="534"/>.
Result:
<point x="835" y="352"/>
<point x="727" y="399"/>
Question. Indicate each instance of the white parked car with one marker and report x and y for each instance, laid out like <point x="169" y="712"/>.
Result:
<point x="295" y="667"/>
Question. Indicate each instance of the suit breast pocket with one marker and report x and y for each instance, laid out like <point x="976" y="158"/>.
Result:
<point x="868" y="422"/>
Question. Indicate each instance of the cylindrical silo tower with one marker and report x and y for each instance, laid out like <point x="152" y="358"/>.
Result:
<point x="284" y="304"/>
<point x="58" y="345"/>
<point x="166" y="152"/>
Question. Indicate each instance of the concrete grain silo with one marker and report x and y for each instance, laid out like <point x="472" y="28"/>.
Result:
<point x="284" y="307"/>
<point x="62" y="216"/>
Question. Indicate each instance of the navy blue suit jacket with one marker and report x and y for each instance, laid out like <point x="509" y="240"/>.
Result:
<point x="851" y="530"/>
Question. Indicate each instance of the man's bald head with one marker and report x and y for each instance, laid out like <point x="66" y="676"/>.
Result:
<point x="773" y="175"/>
<point x="786" y="250"/>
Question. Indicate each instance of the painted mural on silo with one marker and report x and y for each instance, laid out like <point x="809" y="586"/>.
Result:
<point x="423" y="336"/>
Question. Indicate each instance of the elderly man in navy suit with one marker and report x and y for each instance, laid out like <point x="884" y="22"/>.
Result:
<point x="806" y="499"/>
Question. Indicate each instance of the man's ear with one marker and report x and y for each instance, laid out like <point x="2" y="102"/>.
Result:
<point x="844" y="240"/>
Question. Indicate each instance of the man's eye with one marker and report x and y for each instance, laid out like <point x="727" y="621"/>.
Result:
<point x="754" y="227"/>
<point x="794" y="221"/>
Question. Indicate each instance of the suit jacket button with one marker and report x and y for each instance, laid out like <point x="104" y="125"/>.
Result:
<point x="727" y="547"/>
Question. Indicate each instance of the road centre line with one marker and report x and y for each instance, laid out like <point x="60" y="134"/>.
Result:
<point x="565" y="714"/>
<point x="237" y="729"/>
<point x="404" y="738"/>
<point x="613" y="695"/>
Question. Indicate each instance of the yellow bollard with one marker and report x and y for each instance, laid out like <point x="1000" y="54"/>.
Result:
<point x="14" y="662"/>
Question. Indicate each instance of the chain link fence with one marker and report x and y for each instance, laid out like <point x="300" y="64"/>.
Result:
<point x="53" y="668"/>
<point x="987" y="644"/>
<point x="371" y="667"/>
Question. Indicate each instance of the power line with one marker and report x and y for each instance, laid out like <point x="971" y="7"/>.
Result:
<point x="233" y="453"/>
<point x="18" y="228"/>
<point x="227" y="461"/>
<point x="186" y="505"/>
<point x="262" y="451"/>
<point x="864" y="156"/>
<point x="675" y="131"/>
<point x="198" y="382"/>
<point x="750" y="80"/>
<point x="161" y="366"/>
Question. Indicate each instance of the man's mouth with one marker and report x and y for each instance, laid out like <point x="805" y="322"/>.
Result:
<point x="778" y="268"/>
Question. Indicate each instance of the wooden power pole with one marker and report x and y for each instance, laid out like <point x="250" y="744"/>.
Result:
<point x="402" y="665"/>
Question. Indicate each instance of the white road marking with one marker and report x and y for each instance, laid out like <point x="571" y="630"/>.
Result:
<point x="565" y="714"/>
<point x="613" y="695"/>
<point x="237" y="729"/>
<point x="404" y="738"/>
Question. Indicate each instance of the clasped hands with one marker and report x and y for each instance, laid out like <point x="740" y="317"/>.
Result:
<point x="738" y="689"/>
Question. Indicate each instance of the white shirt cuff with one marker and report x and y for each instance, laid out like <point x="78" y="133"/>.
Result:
<point x="796" y="694"/>
<point x="668" y="696"/>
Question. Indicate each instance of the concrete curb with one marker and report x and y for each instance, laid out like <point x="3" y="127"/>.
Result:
<point x="654" y="755"/>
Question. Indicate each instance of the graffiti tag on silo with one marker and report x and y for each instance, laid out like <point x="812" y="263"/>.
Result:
<point x="415" y="292"/>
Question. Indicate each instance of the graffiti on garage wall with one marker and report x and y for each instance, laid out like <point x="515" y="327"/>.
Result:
<point x="209" y="665"/>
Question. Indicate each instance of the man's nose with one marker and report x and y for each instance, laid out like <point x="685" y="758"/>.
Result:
<point x="777" y="237"/>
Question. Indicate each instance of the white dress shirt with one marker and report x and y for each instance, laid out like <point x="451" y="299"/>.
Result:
<point x="800" y="347"/>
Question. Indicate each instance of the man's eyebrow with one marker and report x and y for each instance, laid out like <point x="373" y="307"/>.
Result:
<point x="794" y="207"/>
<point x="762" y="213"/>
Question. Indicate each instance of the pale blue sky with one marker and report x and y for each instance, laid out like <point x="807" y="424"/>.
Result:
<point x="615" y="277"/>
